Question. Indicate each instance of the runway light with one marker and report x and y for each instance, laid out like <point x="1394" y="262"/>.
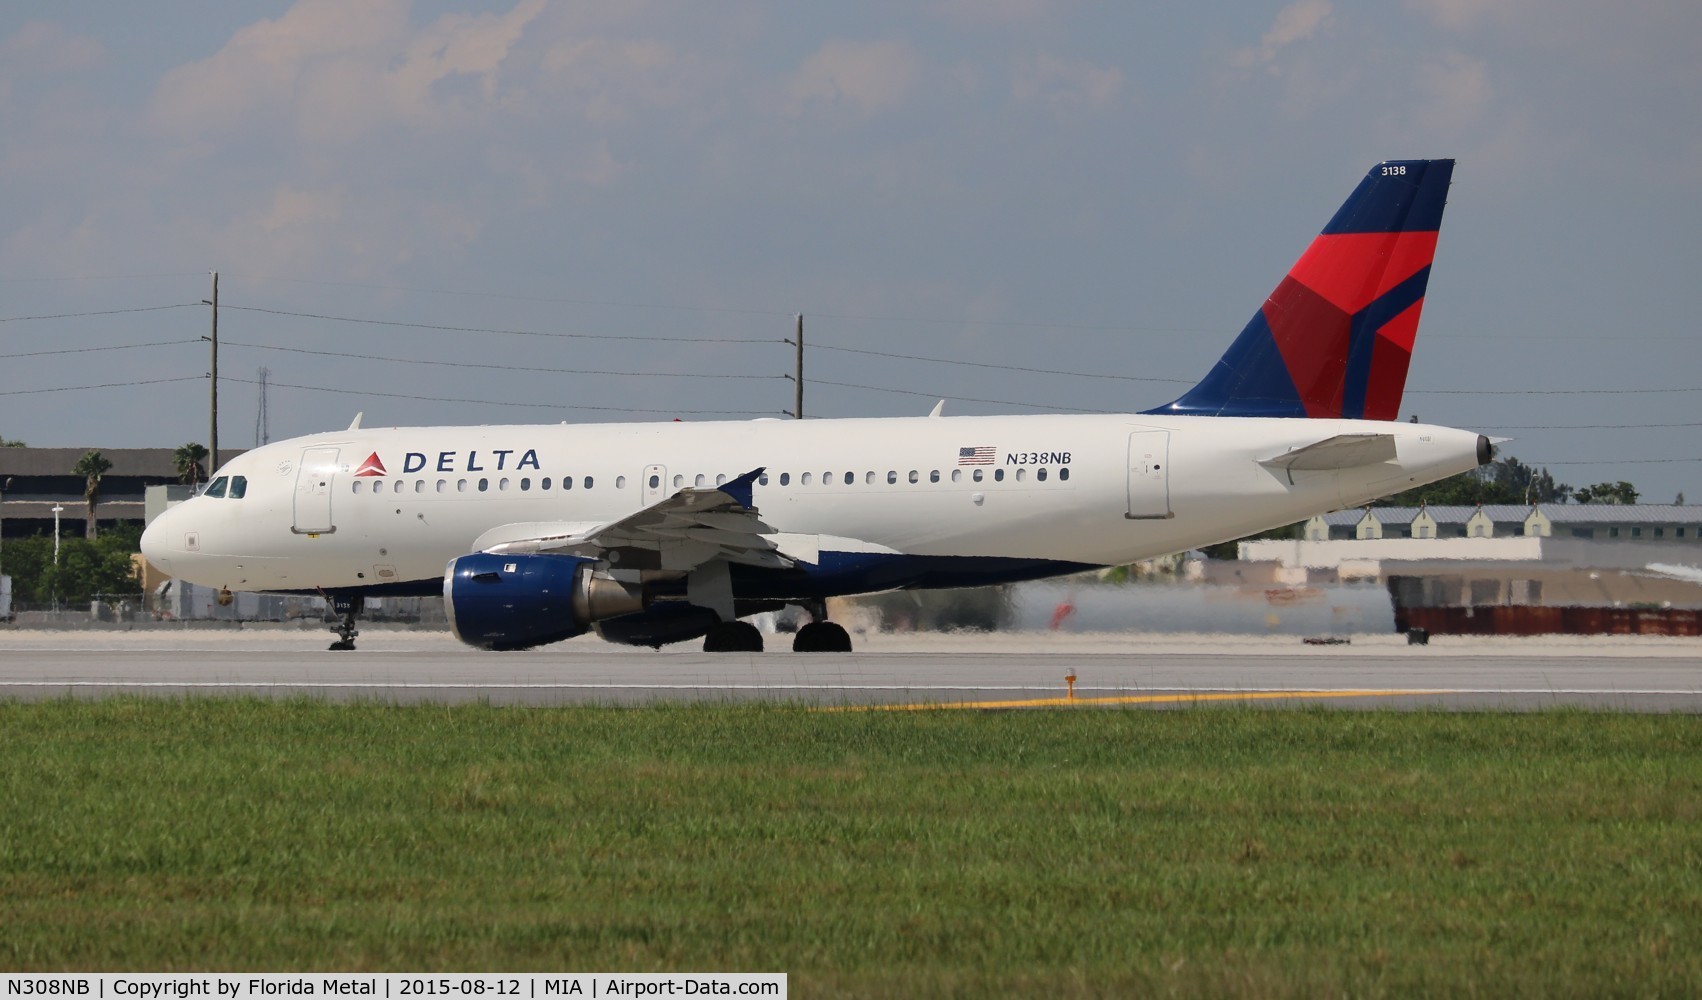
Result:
<point x="1070" y="679"/>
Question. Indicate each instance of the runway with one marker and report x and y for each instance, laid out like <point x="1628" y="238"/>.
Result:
<point x="1011" y="671"/>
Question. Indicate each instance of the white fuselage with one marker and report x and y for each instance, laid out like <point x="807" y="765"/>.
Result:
<point x="1099" y="490"/>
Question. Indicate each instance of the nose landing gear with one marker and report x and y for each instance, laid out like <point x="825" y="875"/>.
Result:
<point x="349" y="606"/>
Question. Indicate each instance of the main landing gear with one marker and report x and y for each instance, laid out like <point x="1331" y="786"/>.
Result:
<point x="817" y="636"/>
<point x="820" y="635"/>
<point x="348" y="607"/>
<point x="732" y="637"/>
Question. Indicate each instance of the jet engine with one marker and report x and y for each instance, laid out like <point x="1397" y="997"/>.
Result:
<point x="519" y="601"/>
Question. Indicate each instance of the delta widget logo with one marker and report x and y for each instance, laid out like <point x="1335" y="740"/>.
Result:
<point x="372" y="467"/>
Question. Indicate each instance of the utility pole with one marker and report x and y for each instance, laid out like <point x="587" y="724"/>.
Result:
<point x="798" y="383"/>
<point x="213" y="430"/>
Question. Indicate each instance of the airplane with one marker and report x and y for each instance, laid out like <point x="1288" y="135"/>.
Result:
<point x="656" y="533"/>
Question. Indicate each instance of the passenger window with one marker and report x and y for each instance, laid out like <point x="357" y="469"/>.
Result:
<point x="484" y="485"/>
<point x="679" y="481"/>
<point x="869" y="477"/>
<point x="442" y="485"/>
<point x="934" y="476"/>
<point x="502" y="484"/>
<point x="998" y="475"/>
<point x="655" y="481"/>
<point x="720" y="478"/>
<point x="354" y="487"/>
<point x="976" y="475"/>
<point x="620" y="482"/>
<point x="217" y="487"/>
<point x="827" y="479"/>
<point x="460" y="486"/>
<point x="1021" y="474"/>
<point x="915" y="477"/>
<point x="419" y="486"/>
<point x="567" y="482"/>
<point x="851" y="477"/>
<point x="238" y="487"/>
<point x="1040" y="474"/>
<point x="763" y="479"/>
<point x="785" y="479"/>
<point x="1064" y="473"/>
<point x="957" y="475"/>
<point x="525" y="484"/>
<point x="589" y="482"/>
<point x="700" y="480"/>
<point x="805" y="480"/>
<point x="396" y="487"/>
<point x="892" y="477"/>
<point x="544" y="484"/>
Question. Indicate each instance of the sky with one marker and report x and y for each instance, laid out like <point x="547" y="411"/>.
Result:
<point x="460" y="212"/>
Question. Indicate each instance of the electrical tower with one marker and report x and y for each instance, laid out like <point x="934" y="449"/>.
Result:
<point x="262" y="430"/>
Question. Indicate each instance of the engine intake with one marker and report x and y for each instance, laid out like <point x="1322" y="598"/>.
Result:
<point x="520" y="601"/>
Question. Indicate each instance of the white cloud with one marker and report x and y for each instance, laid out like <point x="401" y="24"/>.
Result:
<point x="1297" y="22"/>
<point x="864" y="77"/>
<point x="1048" y="79"/>
<point x="40" y="48"/>
<point x="335" y="69"/>
<point x="1456" y="89"/>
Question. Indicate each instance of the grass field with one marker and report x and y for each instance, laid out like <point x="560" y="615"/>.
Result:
<point x="1212" y="851"/>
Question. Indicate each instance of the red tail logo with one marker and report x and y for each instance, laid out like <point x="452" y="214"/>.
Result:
<point x="372" y="467"/>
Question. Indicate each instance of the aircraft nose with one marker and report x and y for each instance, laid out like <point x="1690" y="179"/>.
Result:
<point x="157" y="539"/>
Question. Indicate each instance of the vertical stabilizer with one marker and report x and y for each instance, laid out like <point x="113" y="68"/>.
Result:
<point x="1335" y="338"/>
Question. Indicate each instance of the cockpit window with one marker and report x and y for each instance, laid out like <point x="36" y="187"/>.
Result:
<point x="238" y="487"/>
<point x="217" y="487"/>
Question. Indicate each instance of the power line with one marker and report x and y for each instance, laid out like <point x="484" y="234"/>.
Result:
<point x="103" y="312"/>
<point x="1623" y="461"/>
<point x="102" y="277"/>
<point x="87" y="350"/>
<point x="103" y="385"/>
<point x="983" y="364"/>
<point x="506" y="368"/>
<point x="514" y="333"/>
<point x="520" y="298"/>
<point x="1546" y="392"/>
<point x="941" y="395"/>
<point x="1580" y="427"/>
<point x="503" y="402"/>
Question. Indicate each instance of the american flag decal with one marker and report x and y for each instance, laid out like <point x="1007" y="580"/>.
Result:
<point x="975" y="456"/>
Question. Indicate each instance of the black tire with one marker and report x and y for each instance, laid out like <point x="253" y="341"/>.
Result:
<point x="733" y="637"/>
<point x="822" y="637"/>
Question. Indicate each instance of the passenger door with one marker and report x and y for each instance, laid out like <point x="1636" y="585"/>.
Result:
<point x="313" y="492"/>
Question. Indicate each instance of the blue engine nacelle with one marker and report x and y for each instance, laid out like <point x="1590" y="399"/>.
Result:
<point x="521" y="601"/>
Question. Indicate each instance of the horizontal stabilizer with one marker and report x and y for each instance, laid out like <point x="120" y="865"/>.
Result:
<point x="1344" y="451"/>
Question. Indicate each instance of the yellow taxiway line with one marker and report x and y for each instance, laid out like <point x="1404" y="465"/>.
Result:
<point x="1182" y="697"/>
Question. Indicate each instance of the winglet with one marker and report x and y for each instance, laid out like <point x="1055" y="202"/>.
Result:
<point x="354" y="425"/>
<point x="938" y="409"/>
<point x="740" y="488"/>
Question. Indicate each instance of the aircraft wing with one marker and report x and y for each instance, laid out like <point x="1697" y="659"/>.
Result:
<point x="695" y="526"/>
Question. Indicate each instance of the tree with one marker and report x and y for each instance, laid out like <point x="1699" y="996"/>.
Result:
<point x="92" y="466"/>
<point x="188" y="459"/>
<point x="11" y="444"/>
<point x="1620" y="492"/>
<point x="1505" y="480"/>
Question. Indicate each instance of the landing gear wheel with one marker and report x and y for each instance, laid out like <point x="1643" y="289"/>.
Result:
<point x="822" y="637"/>
<point x="733" y="637"/>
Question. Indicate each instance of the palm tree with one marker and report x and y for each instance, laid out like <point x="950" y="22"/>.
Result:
<point x="189" y="469"/>
<point x="91" y="467"/>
